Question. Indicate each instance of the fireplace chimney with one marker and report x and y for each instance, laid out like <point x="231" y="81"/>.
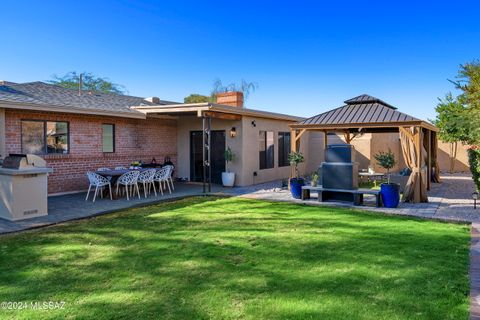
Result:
<point x="234" y="99"/>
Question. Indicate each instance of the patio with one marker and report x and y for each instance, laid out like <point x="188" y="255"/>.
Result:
<point x="449" y="200"/>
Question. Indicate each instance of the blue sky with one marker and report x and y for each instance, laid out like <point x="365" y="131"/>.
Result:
<point x="307" y="57"/>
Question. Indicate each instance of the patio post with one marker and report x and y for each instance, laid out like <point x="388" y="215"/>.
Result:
<point x="207" y="170"/>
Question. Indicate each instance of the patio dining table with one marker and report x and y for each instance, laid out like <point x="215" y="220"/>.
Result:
<point x="115" y="174"/>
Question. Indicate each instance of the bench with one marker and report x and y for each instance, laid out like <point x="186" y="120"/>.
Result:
<point x="357" y="194"/>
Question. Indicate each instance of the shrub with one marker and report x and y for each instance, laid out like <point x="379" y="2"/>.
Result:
<point x="295" y="158"/>
<point x="386" y="160"/>
<point x="474" y="163"/>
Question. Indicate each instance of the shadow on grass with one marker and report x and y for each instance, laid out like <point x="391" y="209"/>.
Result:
<point x="235" y="258"/>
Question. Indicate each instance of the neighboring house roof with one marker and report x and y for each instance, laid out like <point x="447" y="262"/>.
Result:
<point x="49" y="97"/>
<point x="360" y="110"/>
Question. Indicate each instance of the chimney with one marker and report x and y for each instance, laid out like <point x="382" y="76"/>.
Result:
<point x="234" y="99"/>
<point x="155" y="100"/>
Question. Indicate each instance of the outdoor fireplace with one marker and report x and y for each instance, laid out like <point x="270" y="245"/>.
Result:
<point x="339" y="171"/>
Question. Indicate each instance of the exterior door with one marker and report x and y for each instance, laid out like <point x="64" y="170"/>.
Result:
<point x="217" y="155"/>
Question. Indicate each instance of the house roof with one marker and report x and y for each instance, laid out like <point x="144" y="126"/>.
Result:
<point x="199" y="108"/>
<point x="49" y="97"/>
<point x="362" y="111"/>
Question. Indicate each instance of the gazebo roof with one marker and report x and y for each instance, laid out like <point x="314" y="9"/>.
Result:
<point x="363" y="111"/>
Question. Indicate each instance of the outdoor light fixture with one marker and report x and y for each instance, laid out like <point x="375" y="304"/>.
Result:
<point x="475" y="198"/>
<point x="254" y="123"/>
<point x="233" y="132"/>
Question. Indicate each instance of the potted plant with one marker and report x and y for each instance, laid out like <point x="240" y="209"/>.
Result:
<point x="314" y="179"/>
<point x="390" y="192"/>
<point x="228" y="178"/>
<point x="295" y="158"/>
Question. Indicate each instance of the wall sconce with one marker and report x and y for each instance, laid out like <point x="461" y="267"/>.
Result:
<point x="254" y="123"/>
<point x="475" y="198"/>
<point x="233" y="132"/>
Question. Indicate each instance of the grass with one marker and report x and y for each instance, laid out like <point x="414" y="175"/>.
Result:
<point x="210" y="258"/>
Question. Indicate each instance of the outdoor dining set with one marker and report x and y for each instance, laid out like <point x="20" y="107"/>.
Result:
<point x="129" y="181"/>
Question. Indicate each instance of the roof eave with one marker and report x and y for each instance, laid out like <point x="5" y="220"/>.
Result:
<point x="343" y="126"/>
<point x="69" y="109"/>
<point x="200" y="107"/>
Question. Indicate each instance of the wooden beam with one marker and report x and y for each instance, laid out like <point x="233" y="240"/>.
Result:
<point x="347" y="136"/>
<point x="429" y="159"/>
<point x="299" y="135"/>
<point x="224" y="116"/>
<point x="343" y="126"/>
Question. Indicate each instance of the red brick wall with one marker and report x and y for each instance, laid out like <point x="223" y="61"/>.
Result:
<point x="135" y="139"/>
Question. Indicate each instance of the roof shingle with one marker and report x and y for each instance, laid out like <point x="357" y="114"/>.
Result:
<point x="44" y="94"/>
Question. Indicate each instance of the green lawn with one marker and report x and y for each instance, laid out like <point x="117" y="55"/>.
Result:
<point x="210" y="258"/>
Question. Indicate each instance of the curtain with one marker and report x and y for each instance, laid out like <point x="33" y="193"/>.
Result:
<point x="436" y="167"/>
<point x="416" y="188"/>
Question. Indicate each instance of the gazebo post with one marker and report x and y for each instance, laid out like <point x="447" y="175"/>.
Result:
<point x="325" y="142"/>
<point x="293" y="148"/>
<point x="418" y="150"/>
<point x="429" y="159"/>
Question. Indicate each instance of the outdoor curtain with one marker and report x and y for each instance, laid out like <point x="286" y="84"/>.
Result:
<point x="436" y="167"/>
<point x="416" y="188"/>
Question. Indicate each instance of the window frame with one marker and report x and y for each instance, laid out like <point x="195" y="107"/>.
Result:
<point x="45" y="145"/>
<point x="283" y="134"/>
<point x="113" y="137"/>
<point x="265" y="140"/>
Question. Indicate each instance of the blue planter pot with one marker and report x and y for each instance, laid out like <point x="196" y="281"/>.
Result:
<point x="296" y="187"/>
<point x="390" y="194"/>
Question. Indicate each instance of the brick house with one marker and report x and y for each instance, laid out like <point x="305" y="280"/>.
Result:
<point x="76" y="132"/>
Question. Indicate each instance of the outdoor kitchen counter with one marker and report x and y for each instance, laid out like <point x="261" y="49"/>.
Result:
<point x="17" y="172"/>
<point x="23" y="192"/>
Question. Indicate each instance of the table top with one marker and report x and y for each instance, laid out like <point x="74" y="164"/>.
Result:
<point x="368" y="174"/>
<point x="115" y="173"/>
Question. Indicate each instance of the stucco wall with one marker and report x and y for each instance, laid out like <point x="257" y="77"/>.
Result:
<point x="186" y="124"/>
<point x="461" y="162"/>
<point x="369" y="144"/>
<point x="245" y="146"/>
<point x="251" y="149"/>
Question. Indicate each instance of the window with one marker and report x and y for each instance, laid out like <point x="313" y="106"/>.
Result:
<point x="108" y="136"/>
<point x="283" y="148"/>
<point x="266" y="144"/>
<point x="44" y="137"/>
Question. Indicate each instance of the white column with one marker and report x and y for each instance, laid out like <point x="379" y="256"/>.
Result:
<point x="2" y="134"/>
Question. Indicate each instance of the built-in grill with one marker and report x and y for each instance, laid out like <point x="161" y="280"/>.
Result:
<point x="339" y="171"/>
<point x="23" y="185"/>
<point x="23" y="161"/>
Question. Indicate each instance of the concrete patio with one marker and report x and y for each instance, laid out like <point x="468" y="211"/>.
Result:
<point x="449" y="200"/>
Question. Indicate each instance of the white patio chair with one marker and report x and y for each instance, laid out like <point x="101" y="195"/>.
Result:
<point x="162" y="177"/>
<point x="170" y="173"/>
<point x="120" y="168"/>
<point x="130" y="181"/>
<point x="99" y="183"/>
<point x="103" y="169"/>
<point x="147" y="179"/>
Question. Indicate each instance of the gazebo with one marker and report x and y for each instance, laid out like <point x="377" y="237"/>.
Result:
<point x="367" y="114"/>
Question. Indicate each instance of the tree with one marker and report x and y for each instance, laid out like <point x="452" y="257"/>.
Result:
<point x="90" y="82"/>
<point x="468" y="81"/>
<point x="196" y="98"/>
<point x="450" y="121"/>
<point x="243" y="86"/>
